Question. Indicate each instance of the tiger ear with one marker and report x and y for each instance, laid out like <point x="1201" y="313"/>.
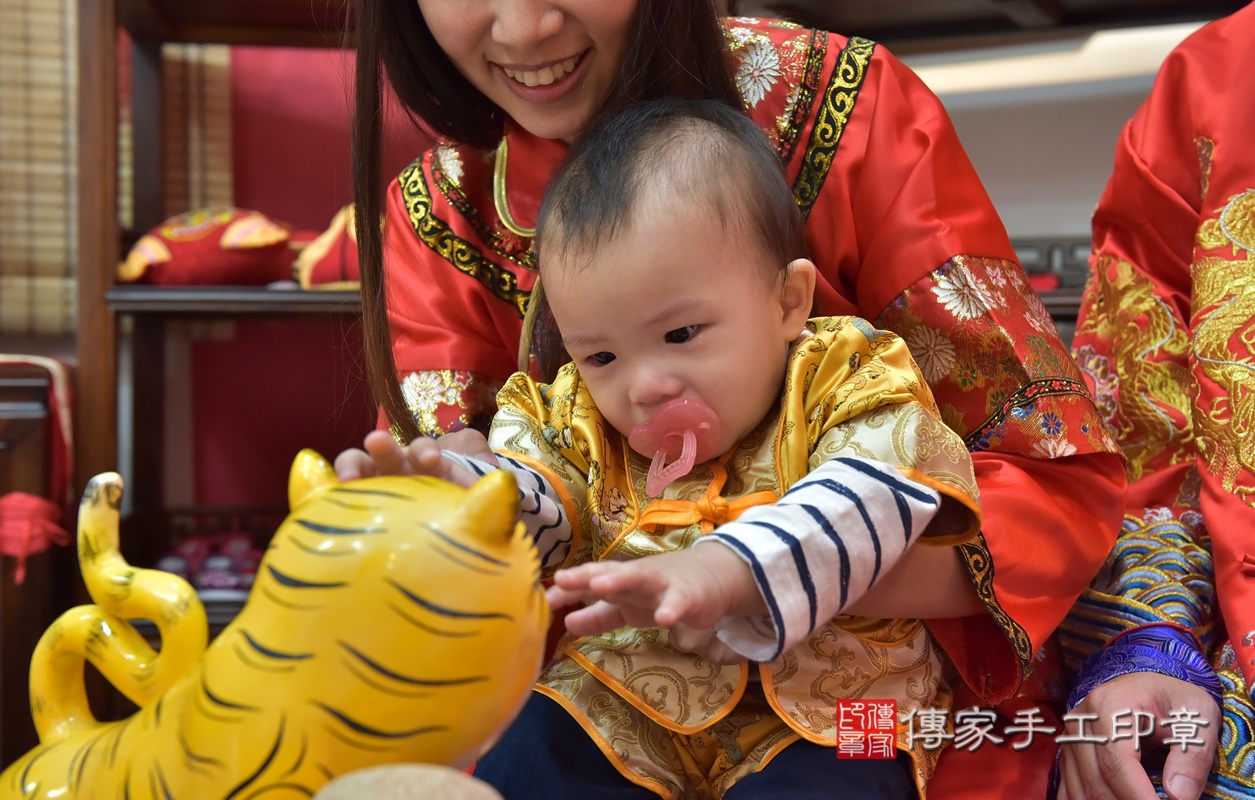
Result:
<point x="491" y="508"/>
<point x="310" y="477"/>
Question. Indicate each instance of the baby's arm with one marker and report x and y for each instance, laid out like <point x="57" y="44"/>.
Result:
<point x="688" y="592"/>
<point x="463" y="458"/>
<point x="781" y="570"/>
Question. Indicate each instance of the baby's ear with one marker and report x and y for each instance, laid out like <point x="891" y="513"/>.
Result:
<point x="797" y="295"/>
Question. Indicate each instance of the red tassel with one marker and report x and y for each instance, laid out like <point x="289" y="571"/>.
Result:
<point x="28" y="525"/>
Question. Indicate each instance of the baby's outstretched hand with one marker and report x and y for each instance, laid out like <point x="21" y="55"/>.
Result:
<point x="381" y="455"/>
<point x="687" y="591"/>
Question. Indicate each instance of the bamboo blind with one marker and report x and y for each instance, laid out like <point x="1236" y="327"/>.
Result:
<point x="38" y="170"/>
<point x="196" y="130"/>
<point x="197" y="104"/>
<point x="38" y="159"/>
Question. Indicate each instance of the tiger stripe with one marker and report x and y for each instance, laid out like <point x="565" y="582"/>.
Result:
<point x="297" y="690"/>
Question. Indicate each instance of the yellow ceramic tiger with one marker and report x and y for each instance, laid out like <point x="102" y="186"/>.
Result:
<point x="393" y="619"/>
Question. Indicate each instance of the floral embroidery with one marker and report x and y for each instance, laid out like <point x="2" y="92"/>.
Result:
<point x="967" y="375"/>
<point x="424" y="391"/>
<point x="933" y="351"/>
<point x="963" y="294"/>
<point x="1000" y="279"/>
<point x="447" y="400"/>
<point x="450" y="162"/>
<point x="1159" y="514"/>
<point x="1054" y="447"/>
<point x="758" y="69"/>
<point x="1037" y="315"/>
<point x="1051" y="424"/>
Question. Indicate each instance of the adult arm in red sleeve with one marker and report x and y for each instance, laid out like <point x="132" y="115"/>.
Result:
<point x="906" y="235"/>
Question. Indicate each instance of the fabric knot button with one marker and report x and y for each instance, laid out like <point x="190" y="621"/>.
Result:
<point x="714" y="509"/>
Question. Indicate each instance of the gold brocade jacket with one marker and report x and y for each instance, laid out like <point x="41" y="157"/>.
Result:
<point x="850" y="390"/>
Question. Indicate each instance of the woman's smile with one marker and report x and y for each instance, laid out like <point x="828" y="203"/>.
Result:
<point x="548" y="65"/>
<point x="542" y="76"/>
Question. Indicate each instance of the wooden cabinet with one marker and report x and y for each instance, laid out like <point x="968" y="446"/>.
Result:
<point x="121" y="328"/>
<point x="150" y="23"/>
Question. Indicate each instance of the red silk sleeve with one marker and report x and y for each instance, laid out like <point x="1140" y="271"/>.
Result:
<point x="455" y="303"/>
<point x="904" y="233"/>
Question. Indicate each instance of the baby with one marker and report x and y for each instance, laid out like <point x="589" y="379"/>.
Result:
<point x="716" y="480"/>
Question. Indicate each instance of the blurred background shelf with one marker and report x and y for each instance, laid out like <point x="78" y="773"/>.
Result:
<point x="229" y="300"/>
<point x="309" y="23"/>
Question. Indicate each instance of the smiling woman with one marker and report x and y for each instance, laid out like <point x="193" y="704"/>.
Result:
<point x="549" y="70"/>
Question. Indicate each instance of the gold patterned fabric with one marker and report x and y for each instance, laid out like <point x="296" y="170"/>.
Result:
<point x="850" y="391"/>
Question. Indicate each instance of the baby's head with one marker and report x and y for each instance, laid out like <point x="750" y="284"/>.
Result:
<point x="671" y="252"/>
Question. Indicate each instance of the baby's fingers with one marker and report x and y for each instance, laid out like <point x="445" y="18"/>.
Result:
<point x="561" y="597"/>
<point x="625" y="581"/>
<point x="597" y="618"/>
<point x="575" y="579"/>
<point x="601" y="579"/>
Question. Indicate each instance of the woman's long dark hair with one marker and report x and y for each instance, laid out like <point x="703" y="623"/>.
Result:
<point x="674" y="48"/>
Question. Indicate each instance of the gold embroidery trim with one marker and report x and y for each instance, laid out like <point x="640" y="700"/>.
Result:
<point x="499" y="198"/>
<point x="980" y="565"/>
<point x="834" y="115"/>
<point x="463" y="255"/>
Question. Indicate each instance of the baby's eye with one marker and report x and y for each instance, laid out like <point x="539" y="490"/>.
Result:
<point x="601" y="359"/>
<point x="681" y="335"/>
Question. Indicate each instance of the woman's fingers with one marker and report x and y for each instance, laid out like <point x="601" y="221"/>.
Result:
<point x="354" y="464"/>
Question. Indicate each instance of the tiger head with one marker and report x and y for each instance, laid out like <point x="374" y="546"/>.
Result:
<point x="407" y="613"/>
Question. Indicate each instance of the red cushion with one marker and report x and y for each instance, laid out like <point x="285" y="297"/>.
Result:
<point x="330" y="261"/>
<point x="211" y="246"/>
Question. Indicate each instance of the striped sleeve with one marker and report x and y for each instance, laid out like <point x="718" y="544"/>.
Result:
<point x="820" y="547"/>
<point x="540" y="509"/>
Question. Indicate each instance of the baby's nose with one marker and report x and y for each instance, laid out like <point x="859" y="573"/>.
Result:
<point x="651" y="387"/>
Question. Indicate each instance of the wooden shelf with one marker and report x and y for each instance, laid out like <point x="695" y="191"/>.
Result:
<point x="298" y="23"/>
<point x="228" y="300"/>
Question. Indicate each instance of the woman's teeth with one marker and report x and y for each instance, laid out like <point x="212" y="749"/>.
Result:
<point x="543" y="76"/>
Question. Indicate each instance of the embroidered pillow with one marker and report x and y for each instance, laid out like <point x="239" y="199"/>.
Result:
<point x="211" y="246"/>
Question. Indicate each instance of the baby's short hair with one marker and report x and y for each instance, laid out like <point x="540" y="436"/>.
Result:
<point x="701" y="152"/>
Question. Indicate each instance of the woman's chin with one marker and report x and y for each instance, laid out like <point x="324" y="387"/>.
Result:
<point x="551" y="125"/>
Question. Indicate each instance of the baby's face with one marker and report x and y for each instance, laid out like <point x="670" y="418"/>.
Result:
<point x="676" y="307"/>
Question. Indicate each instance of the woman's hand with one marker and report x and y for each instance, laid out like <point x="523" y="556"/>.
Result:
<point x="686" y="591"/>
<point x="381" y="455"/>
<point x="1114" y="770"/>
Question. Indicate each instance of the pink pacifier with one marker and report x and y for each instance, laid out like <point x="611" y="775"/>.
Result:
<point x="684" y="430"/>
